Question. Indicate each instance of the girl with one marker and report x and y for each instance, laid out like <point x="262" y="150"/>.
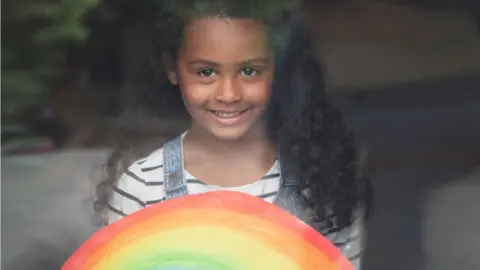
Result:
<point x="260" y="124"/>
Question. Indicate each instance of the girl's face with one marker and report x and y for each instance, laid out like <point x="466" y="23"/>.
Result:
<point x="225" y="72"/>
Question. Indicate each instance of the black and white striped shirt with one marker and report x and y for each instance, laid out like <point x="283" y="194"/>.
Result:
<point x="142" y="185"/>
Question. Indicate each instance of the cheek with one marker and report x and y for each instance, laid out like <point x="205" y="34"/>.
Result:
<point x="193" y="93"/>
<point x="193" y="96"/>
<point x="259" y="93"/>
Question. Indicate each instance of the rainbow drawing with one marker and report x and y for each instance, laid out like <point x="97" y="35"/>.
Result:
<point x="221" y="230"/>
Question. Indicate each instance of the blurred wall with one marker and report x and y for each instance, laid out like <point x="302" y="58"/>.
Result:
<point x="372" y="44"/>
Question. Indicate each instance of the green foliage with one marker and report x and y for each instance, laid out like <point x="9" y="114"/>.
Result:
<point x="37" y="35"/>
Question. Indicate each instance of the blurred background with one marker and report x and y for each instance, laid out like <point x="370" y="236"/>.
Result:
<point x="405" y="74"/>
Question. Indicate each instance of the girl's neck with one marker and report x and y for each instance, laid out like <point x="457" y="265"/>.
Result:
<point x="228" y="163"/>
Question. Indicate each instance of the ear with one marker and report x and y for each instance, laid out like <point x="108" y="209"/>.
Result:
<point x="172" y="77"/>
<point x="170" y="69"/>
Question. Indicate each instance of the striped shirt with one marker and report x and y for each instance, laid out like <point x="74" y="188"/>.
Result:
<point x="142" y="185"/>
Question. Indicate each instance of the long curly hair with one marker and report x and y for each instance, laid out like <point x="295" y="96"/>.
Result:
<point x="316" y="149"/>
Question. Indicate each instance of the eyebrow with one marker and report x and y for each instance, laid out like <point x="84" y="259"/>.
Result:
<point x="259" y="60"/>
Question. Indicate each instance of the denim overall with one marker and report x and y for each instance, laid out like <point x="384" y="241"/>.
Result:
<point x="175" y="185"/>
<point x="288" y="197"/>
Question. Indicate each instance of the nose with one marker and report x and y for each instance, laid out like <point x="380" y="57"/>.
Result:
<point x="228" y="91"/>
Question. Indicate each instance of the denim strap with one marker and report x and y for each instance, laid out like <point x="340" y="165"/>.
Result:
<point x="174" y="181"/>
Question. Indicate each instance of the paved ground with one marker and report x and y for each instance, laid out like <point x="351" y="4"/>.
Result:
<point x="425" y="219"/>
<point x="45" y="199"/>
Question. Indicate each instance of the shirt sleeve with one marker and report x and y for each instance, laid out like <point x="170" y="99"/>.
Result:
<point x="127" y="194"/>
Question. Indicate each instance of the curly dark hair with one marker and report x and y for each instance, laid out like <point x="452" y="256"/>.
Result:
<point x="316" y="149"/>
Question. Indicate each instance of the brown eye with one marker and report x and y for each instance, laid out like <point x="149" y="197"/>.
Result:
<point x="208" y="72"/>
<point x="249" y="72"/>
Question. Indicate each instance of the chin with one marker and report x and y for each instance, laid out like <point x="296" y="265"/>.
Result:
<point x="230" y="134"/>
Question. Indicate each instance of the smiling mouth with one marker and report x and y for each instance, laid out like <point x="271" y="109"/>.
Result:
<point x="221" y="114"/>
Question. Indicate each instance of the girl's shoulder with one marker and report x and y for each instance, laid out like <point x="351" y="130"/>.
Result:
<point x="140" y="185"/>
<point x="151" y="161"/>
<point x="154" y="160"/>
<point x="148" y="169"/>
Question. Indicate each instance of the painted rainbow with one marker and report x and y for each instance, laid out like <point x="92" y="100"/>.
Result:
<point x="210" y="231"/>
